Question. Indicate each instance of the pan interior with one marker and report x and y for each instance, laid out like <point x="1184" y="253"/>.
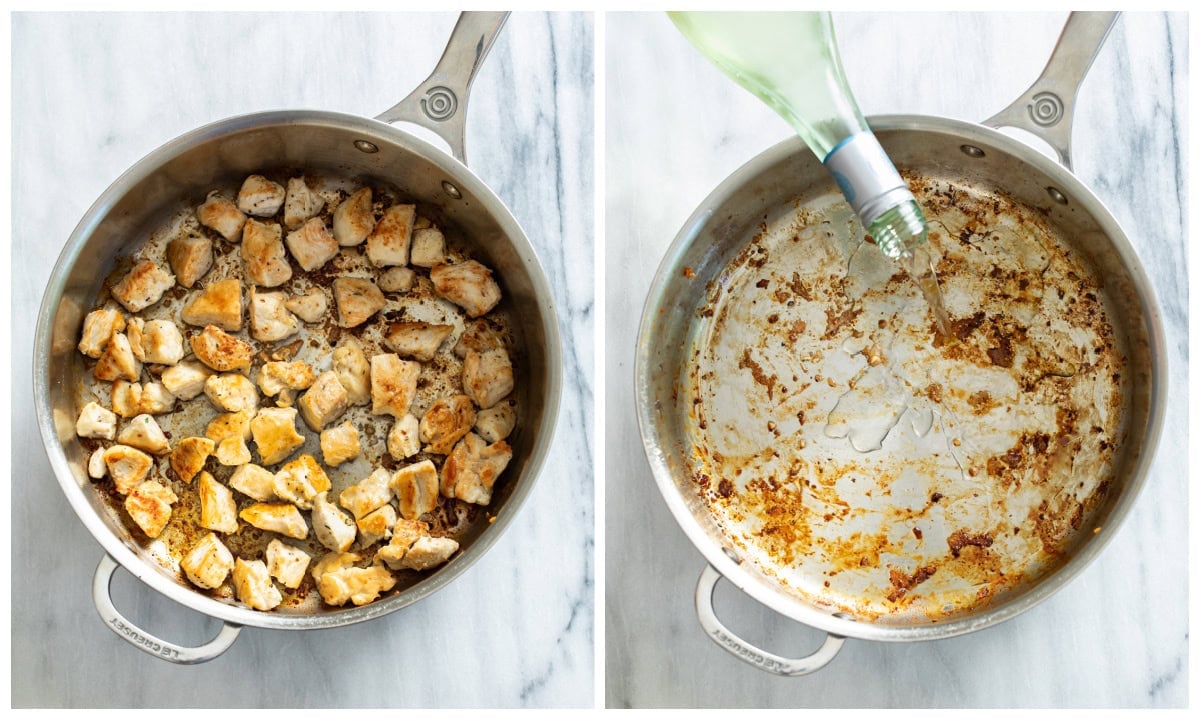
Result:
<point x="854" y="460"/>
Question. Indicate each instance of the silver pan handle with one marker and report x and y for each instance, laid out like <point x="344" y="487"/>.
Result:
<point x="179" y="654"/>
<point x="1047" y="107"/>
<point x="739" y="648"/>
<point x="440" y="103"/>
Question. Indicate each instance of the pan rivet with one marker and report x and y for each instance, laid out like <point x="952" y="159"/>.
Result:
<point x="366" y="147"/>
<point x="451" y="190"/>
<point x="971" y="150"/>
<point x="1057" y="195"/>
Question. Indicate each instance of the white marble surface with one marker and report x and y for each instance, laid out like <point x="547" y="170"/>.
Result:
<point x="92" y="94"/>
<point x="1117" y="636"/>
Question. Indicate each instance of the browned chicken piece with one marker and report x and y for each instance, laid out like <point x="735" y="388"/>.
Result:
<point x="282" y="518"/>
<point x="253" y="585"/>
<point x="446" y="422"/>
<point x="323" y="402"/>
<point x="300" y="204"/>
<point x="389" y="241"/>
<point x="416" y="488"/>
<point x="156" y="399"/>
<point x="404" y="534"/>
<point x="472" y="468"/>
<point x="286" y="563"/>
<point x="357" y="300"/>
<point x="117" y="361"/>
<point x="208" y="563"/>
<point x="149" y="504"/>
<point x="310" y="308"/>
<point x="254" y="481"/>
<point x="98" y="327"/>
<point x="189" y="456"/>
<point x="496" y="423"/>
<point x="376" y="526"/>
<point x="275" y="436"/>
<point x="143" y="286"/>
<point x="162" y="343"/>
<point x="393" y="384"/>
<point x="367" y="495"/>
<point x="428" y="247"/>
<point x="428" y="552"/>
<point x="397" y="279"/>
<point x="96" y="467"/>
<point x="264" y="255"/>
<point x="186" y="379"/>
<point x="218" y="304"/>
<point x="127" y="466"/>
<point x="418" y="340"/>
<point x="218" y="509"/>
<point x="467" y="284"/>
<point x="334" y="529"/>
<point x="339" y="444"/>
<point x="353" y="371"/>
<point x="404" y="439"/>
<point x="332" y="562"/>
<point x="143" y="433"/>
<point x="354" y="584"/>
<point x="487" y="377"/>
<point x="96" y="421"/>
<point x="221" y="215"/>
<point x="232" y="392"/>
<point x="230" y="432"/>
<point x="260" y="197"/>
<point x="354" y="219"/>
<point x="270" y="320"/>
<point x="312" y="244"/>
<point x="126" y="398"/>
<point x="478" y="336"/>
<point x="276" y="376"/>
<point x="301" y="481"/>
<point x="190" y="258"/>
<point x="221" y="351"/>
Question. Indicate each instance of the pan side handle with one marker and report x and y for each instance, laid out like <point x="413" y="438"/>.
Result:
<point x="440" y="103"/>
<point x="143" y="640"/>
<point x="1046" y="109"/>
<point x="763" y="660"/>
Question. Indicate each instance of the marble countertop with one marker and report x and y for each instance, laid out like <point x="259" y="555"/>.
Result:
<point x="91" y="95"/>
<point x="1117" y="635"/>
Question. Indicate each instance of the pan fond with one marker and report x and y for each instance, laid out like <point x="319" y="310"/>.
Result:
<point x="875" y="469"/>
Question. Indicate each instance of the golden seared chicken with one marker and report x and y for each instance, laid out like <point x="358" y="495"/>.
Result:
<point x="221" y="351"/>
<point x="310" y="307"/>
<point x="222" y="215"/>
<point x="96" y="421"/>
<point x="132" y="399"/>
<point x="353" y="371"/>
<point x="376" y="525"/>
<point x="472" y="468"/>
<point x="96" y="468"/>
<point x="253" y="585"/>
<point x="127" y="466"/>
<point x="301" y="481"/>
<point x="487" y="376"/>
<point x="270" y="320"/>
<point x="478" y="336"/>
<point x="397" y="279"/>
<point x="393" y="384"/>
<point x="282" y="518"/>
<point x="357" y="300"/>
<point x="467" y="284"/>
<point x="208" y="563"/>
<point x="496" y="423"/>
<point x="190" y="258"/>
<point x="368" y="495"/>
<point x="333" y="528"/>
<point x="354" y="219"/>
<point x="300" y="204"/>
<point x="446" y="422"/>
<point x="161" y="342"/>
<point x="230" y="431"/>
<point x="260" y="197"/>
<point x="231" y="392"/>
<point x="186" y="379"/>
<point x="323" y="402"/>
<point x="428" y="552"/>
<point x="339" y="444"/>
<point x="143" y="286"/>
<point x="417" y="340"/>
<point x="404" y="439"/>
<point x="143" y="433"/>
<point x="312" y="244"/>
<point x="117" y="361"/>
<point x="275" y="435"/>
<point x="189" y="456"/>
<point x="263" y="254"/>
<point x="286" y="563"/>
<point x="353" y="584"/>
<point x="218" y="509"/>
<point x="274" y="377"/>
<point x="416" y="488"/>
<point x="149" y="504"/>
<point x="389" y="241"/>
<point x="428" y="247"/>
<point x="219" y="304"/>
<point x="254" y="481"/>
<point x="98" y="327"/>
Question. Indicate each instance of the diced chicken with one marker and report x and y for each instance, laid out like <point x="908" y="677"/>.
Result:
<point x="189" y="456"/>
<point x="270" y="320"/>
<point x="98" y="327"/>
<point x="340" y="444"/>
<point x="221" y="215"/>
<point x="300" y="204"/>
<point x="310" y="308"/>
<point x="218" y="509"/>
<point x="416" y="487"/>
<point x="354" y="219"/>
<point x="230" y="431"/>
<point x="126" y="398"/>
<point x="286" y="398"/>
<point x="404" y="439"/>
<point x="253" y="585"/>
<point x="397" y="279"/>
<point x="472" y="468"/>
<point x="301" y="481"/>
<point x="496" y="423"/>
<point x="221" y="351"/>
<point x="428" y="248"/>
<point x="260" y="197"/>
<point x="96" y="467"/>
<point x="143" y="433"/>
<point x="312" y="244"/>
<point x="127" y="466"/>
<point x="404" y="534"/>
<point x="156" y="399"/>
<point x="254" y="481"/>
<point x="487" y="377"/>
<point x="428" y="552"/>
<point x="324" y="401"/>
<point x="478" y="336"/>
<point x="162" y="342"/>
<point x="185" y="380"/>
<point x="393" y="384"/>
<point x="376" y="526"/>
<point x="143" y="286"/>
<point x="353" y="371"/>
<point x="332" y="562"/>
<point x="467" y="284"/>
<point x="367" y="496"/>
<point x="117" y="361"/>
<point x="333" y="528"/>
<point x="149" y="504"/>
<point x="282" y="518"/>
<point x="286" y="563"/>
<point x="218" y="304"/>
<point x="133" y="333"/>
<point x="446" y="422"/>
<point x="357" y="300"/>
<point x="190" y="258"/>
<point x="264" y="256"/>
<point x="389" y="241"/>
<point x="418" y="340"/>
<point x="232" y="392"/>
<point x="353" y="584"/>
<point x="208" y="563"/>
<point x="275" y="436"/>
<point x="96" y="421"/>
<point x="277" y="376"/>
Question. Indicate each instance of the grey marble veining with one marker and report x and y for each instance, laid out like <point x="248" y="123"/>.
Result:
<point x="1117" y="635"/>
<point x="92" y="94"/>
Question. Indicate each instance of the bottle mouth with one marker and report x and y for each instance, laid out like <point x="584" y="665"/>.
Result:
<point x="899" y="229"/>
